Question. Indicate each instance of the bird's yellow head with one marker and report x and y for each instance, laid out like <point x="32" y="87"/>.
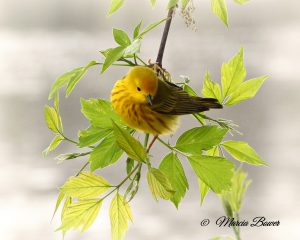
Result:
<point x="142" y="83"/>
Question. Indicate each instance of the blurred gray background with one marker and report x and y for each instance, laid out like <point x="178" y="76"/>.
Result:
<point x="40" y="40"/>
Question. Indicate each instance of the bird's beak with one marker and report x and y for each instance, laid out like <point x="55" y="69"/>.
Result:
<point x="149" y="99"/>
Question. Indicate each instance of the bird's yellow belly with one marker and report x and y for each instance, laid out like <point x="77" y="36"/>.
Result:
<point x="141" y="117"/>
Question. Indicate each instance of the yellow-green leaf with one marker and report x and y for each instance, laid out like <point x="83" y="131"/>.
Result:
<point x="60" y="197"/>
<point x="204" y="189"/>
<point x="54" y="143"/>
<point x="80" y="214"/>
<point x="172" y="3"/>
<point x="233" y="74"/>
<point x="241" y="151"/>
<point x="112" y="56"/>
<point x="211" y="89"/>
<point x="150" y="27"/>
<point x="92" y="135"/>
<point x="241" y="1"/>
<point x="159" y="184"/>
<point x="246" y="90"/>
<point x="114" y="6"/>
<point x="129" y="144"/>
<point x="120" y="214"/>
<point x="215" y="172"/>
<point x="219" y="8"/>
<point x="86" y="185"/>
<point x="99" y="112"/>
<point x="52" y="119"/>
<point x="173" y="169"/>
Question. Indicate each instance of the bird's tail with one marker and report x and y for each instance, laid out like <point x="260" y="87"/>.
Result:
<point x="207" y="102"/>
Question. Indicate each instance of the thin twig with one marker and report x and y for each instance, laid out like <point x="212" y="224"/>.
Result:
<point x="164" y="37"/>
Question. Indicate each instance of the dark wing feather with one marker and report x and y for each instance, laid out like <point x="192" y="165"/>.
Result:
<point x="173" y="100"/>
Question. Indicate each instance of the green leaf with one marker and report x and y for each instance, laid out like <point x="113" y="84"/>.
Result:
<point x="234" y="197"/>
<point x="184" y="3"/>
<point x="150" y="27"/>
<point x="211" y="89"/>
<point x="52" y="119"/>
<point x="241" y="1"/>
<point x="172" y="3"/>
<point x="92" y="135"/>
<point x="136" y="30"/>
<point x="121" y="37"/>
<point x="201" y="138"/>
<point x="214" y="152"/>
<point x="106" y="153"/>
<point x="220" y="10"/>
<point x="99" y="112"/>
<point x="241" y="151"/>
<point x="129" y="165"/>
<point x="159" y="184"/>
<point x="60" y="197"/>
<point x="233" y="74"/>
<point x="80" y="214"/>
<point x="246" y="90"/>
<point x="215" y="172"/>
<point x="114" y="6"/>
<point x="86" y="185"/>
<point x="54" y="143"/>
<point x="153" y="2"/>
<point x="204" y="189"/>
<point x="120" y="214"/>
<point x="74" y="80"/>
<point x="133" y="48"/>
<point x="70" y="78"/>
<point x="173" y="169"/>
<point x="112" y="56"/>
<point x="129" y="144"/>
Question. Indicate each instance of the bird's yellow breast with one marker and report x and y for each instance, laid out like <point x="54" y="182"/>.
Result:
<point x="139" y="115"/>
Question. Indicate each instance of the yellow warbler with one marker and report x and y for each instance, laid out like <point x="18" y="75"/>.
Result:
<point x="151" y="105"/>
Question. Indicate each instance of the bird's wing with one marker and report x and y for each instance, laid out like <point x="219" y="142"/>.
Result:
<point x="173" y="100"/>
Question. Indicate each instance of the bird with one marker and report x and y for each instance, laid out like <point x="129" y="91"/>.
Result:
<point x="152" y="105"/>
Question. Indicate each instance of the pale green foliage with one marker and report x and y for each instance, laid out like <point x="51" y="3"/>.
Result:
<point x="233" y="73"/>
<point x="204" y="189"/>
<point x="159" y="184"/>
<point x="86" y="185"/>
<point x="80" y="214"/>
<point x="215" y="172"/>
<point x="172" y="3"/>
<point x="92" y="135"/>
<point x="129" y="144"/>
<point x="241" y="1"/>
<point x="246" y="90"/>
<point x="60" y="198"/>
<point x="234" y="197"/>
<point x="112" y="56"/>
<point x="211" y="89"/>
<point x="234" y="89"/>
<point x="114" y="6"/>
<point x="70" y="79"/>
<point x="241" y="151"/>
<point x="105" y="154"/>
<point x="99" y="112"/>
<point x="201" y="138"/>
<point x="219" y="8"/>
<point x="121" y="37"/>
<point x="120" y="214"/>
<point x="173" y="169"/>
<point x="52" y="119"/>
<point x="54" y="143"/>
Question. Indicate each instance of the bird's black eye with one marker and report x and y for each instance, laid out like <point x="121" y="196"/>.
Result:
<point x="138" y="89"/>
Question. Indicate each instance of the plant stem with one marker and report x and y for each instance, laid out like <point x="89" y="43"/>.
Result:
<point x="83" y="167"/>
<point x="236" y="229"/>
<point x="164" y="38"/>
<point x="170" y="147"/>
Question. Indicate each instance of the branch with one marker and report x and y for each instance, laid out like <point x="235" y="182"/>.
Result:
<point x="164" y="37"/>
